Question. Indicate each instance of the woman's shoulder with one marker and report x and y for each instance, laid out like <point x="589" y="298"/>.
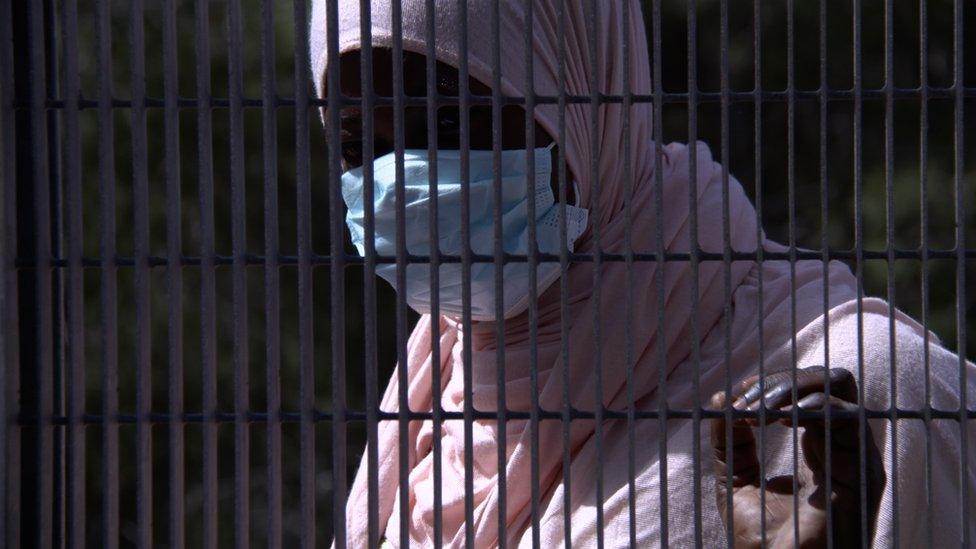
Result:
<point x="887" y="348"/>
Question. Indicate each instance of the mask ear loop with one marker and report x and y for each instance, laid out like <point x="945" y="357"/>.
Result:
<point x="576" y="190"/>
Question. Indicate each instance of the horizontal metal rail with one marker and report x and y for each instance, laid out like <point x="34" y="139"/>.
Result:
<point x="353" y="259"/>
<point x="573" y="413"/>
<point x="750" y="96"/>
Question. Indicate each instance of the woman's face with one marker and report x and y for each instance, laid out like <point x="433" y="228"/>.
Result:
<point x="415" y="117"/>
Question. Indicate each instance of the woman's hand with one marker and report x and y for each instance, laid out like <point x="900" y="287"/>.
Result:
<point x="810" y="514"/>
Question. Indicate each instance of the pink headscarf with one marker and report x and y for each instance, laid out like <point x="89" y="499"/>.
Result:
<point x="607" y="210"/>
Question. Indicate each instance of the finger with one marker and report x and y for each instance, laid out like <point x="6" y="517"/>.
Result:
<point x="806" y="381"/>
<point x="846" y="440"/>
<point x="844" y="447"/>
<point x="773" y="378"/>
<point x="843" y="385"/>
<point x="777" y="390"/>
<point x="843" y="426"/>
<point x="741" y="452"/>
<point x="741" y="387"/>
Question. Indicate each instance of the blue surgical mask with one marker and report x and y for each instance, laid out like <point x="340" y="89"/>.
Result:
<point x="417" y="204"/>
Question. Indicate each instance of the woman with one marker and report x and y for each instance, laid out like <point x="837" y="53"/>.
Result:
<point x="597" y="483"/>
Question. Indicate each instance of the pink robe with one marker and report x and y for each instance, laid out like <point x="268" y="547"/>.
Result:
<point x="694" y="321"/>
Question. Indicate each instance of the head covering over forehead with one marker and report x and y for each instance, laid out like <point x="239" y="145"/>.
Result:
<point x="612" y="310"/>
<point x="584" y="71"/>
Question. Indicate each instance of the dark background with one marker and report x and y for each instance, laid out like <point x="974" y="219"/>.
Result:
<point x="774" y="176"/>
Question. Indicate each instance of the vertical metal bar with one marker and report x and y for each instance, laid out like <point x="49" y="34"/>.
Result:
<point x="726" y="256"/>
<point x="9" y="331"/>
<point x="693" y="245"/>
<point x="337" y="281"/>
<point x="660" y="269"/>
<point x="825" y="259"/>
<point x="242" y="443"/>
<point x="435" y="265"/>
<point x="958" y="89"/>
<point x="593" y="35"/>
<point x="923" y="171"/>
<point x="859" y="263"/>
<point x="9" y="432"/>
<point x="499" y="264"/>
<point x="7" y="269"/>
<point x="272" y="280"/>
<point x="629" y="264"/>
<point x="58" y="337"/>
<point x="791" y="217"/>
<point x="306" y="346"/>
<point x="26" y="227"/>
<point x="369" y="274"/>
<point x="757" y="45"/>
<point x="208" y="316"/>
<point x="889" y="171"/>
<point x="564" y="323"/>
<point x="43" y="302"/>
<point x="533" y="263"/>
<point x="74" y="304"/>
<point x="468" y="393"/>
<point x="140" y="195"/>
<point x="402" y="330"/>
<point x="176" y="474"/>
<point x="109" y="283"/>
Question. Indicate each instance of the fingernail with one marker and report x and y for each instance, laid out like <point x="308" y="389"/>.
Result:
<point x="753" y="392"/>
<point x="739" y="404"/>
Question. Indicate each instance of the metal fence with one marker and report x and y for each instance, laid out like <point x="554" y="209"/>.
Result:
<point x="192" y="351"/>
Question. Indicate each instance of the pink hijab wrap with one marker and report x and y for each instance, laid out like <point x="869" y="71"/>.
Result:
<point x="604" y="194"/>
